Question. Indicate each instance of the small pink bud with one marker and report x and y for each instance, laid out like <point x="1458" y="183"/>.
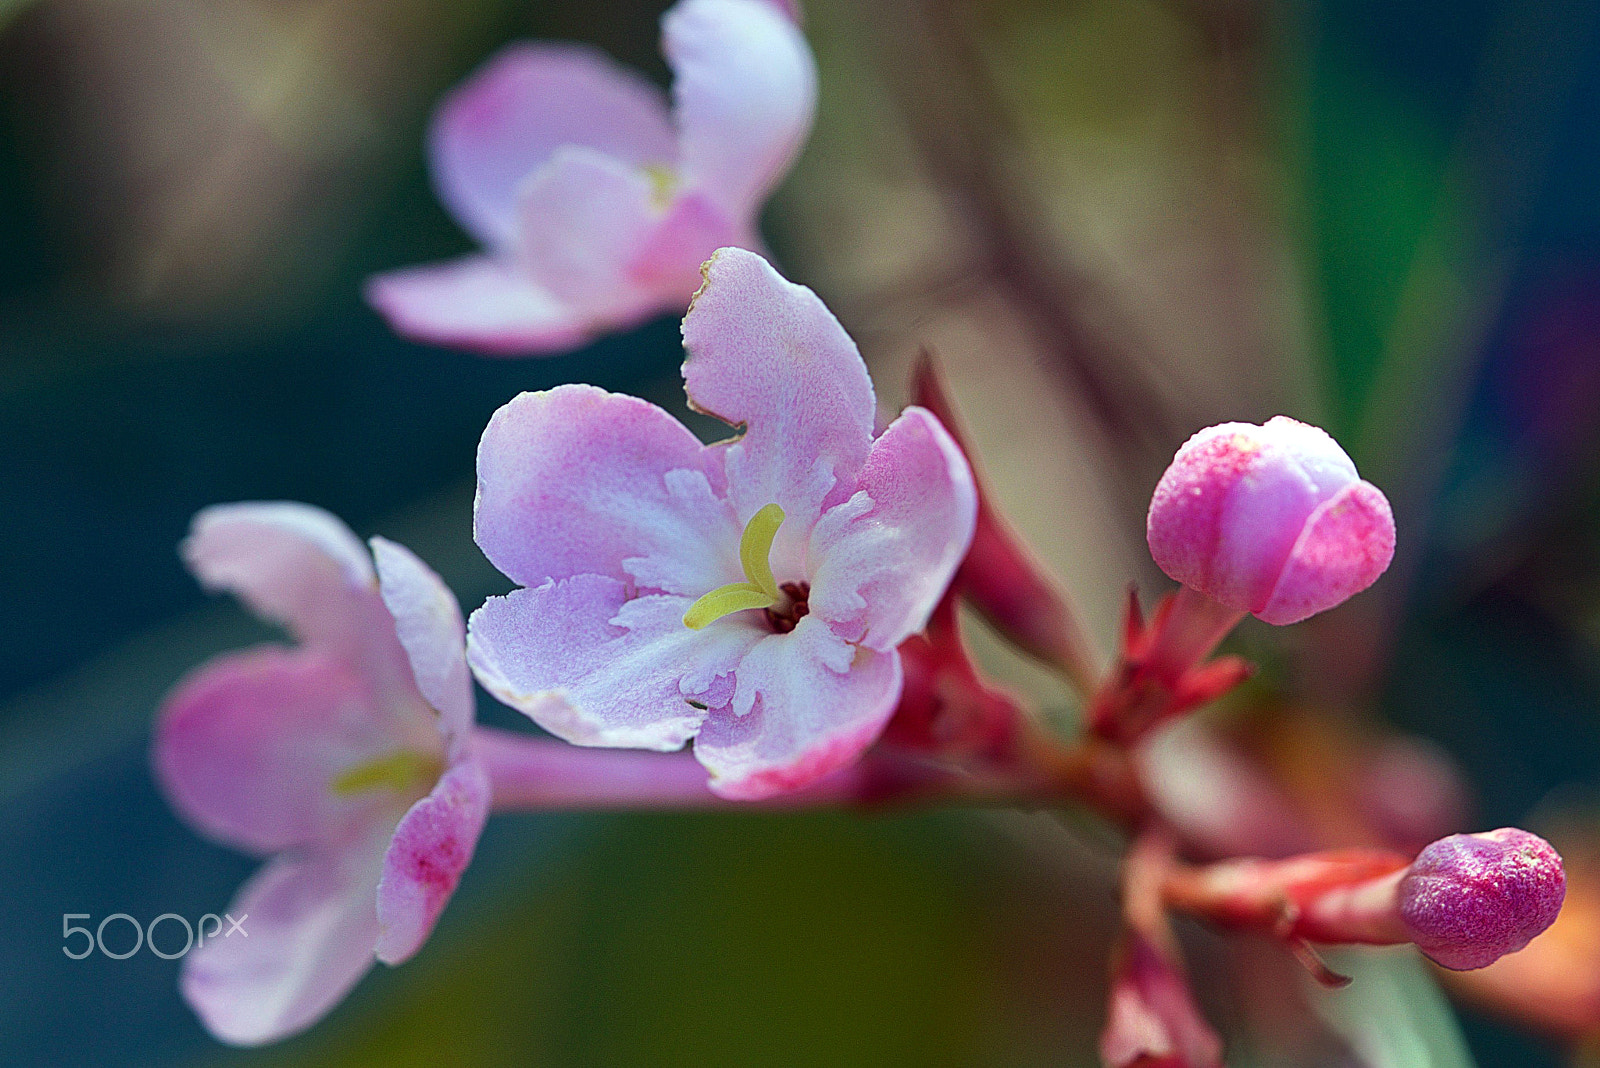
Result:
<point x="1271" y="520"/>
<point x="1153" y="1021"/>
<point x="1470" y="899"/>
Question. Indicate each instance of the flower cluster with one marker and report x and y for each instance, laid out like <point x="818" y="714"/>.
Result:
<point x="770" y="618"/>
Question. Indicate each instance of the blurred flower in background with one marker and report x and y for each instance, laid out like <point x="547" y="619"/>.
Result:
<point x="1115" y="222"/>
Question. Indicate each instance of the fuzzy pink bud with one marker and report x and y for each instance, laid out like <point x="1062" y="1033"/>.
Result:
<point x="1270" y="519"/>
<point x="1470" y="899"/>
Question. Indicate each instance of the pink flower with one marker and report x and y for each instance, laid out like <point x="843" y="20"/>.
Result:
<point x="595" y="204"/>
<point x="749" y="595"/>
<point x="347" y="760"/>
<point x="1269" y="519"/>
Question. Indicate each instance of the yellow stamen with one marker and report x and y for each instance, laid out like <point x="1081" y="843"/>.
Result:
<point x="761" y="589"/>
<point x="755" y="548"/>
<point x="402" y="770"/>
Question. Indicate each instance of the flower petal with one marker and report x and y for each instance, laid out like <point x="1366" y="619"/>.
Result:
<point x="309" y="927"/>
<point x="509" y="117"/>
<point x="424" y="861"/>
<point x="1346" y="544"/>
<point x="293" y="564"/>
<point x="882" y="565"/>
<point x="575" y="480"/>
<point x="584" y="219"/>
<point x="815" y="704"/>
<point x="684" y="238"/>
<point x="476" y="303"/>
<point x="300" y="566"/>
<point x="744" y="92"/>
<point x="428" y="623"/>
<point x="248" y="746"/>
<point x="767" y="354"/>
<point x="591" y="666"/>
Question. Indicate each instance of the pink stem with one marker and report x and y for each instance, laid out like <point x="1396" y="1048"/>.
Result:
<point x="532" y="773"/>
<point x="1367" y="912"/>
<point x="527" y="772"/>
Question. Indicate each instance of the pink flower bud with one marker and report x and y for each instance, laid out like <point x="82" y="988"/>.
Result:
<point x="1271" y="520"/>
<point x="1469" y="899"/>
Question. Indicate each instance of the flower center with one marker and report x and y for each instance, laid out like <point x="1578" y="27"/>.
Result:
<point x="786" y="617"/>
<point x="663" y="183"/>
<point x="785" y="605"/>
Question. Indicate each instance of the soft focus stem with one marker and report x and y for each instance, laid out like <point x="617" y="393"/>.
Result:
<point x="1342" y="896"/>
<point x="1196" y="626"/>
<point x="527" y="772"/>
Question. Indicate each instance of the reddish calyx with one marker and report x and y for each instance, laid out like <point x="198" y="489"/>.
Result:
<point x="1162" y="669"/>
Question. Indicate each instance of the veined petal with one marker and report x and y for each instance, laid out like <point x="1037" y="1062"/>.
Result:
<point x="591" y="666"/>
<point x="509" y="117"/>
<point x="477" y="303"/>
<point x="431" y="848"/>
<point x="744" y="92"/>
<point x="767" y="354"/>
<point x="310" y="925"/>
<point x="248" y="748"/>
<point x="881" y="567"/>
<point x="814" y="704"/>
<point x="428" y="623"/>
<point x="576" y="481"/>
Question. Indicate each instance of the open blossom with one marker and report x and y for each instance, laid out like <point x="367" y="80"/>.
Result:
<point x="749" y="595"/>
<point x="347" y="760"/>
<point x="594" y="202"/>
<point x="1270" y="519"/>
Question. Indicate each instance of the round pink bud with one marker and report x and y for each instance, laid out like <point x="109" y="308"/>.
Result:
<point x="1470" y="899"/>
<point x="1269" y="519"/>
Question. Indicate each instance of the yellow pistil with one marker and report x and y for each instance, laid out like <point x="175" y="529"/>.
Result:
<point x="402" y="770"/>
<point x="761" y="589"/>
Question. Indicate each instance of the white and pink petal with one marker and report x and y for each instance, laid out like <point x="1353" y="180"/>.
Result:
<point x="431" y="847"/>
<point x="594" y="667"/>
<point x="812" y="703"/>
<point x="507" y="120"/>
<point x="428" y="623"/>
<point x="248" y="748"/>
<point x="882" y="560"/>
<point x="766" y="354"/>
<point x="744" y="94"/>
<point x="309" y="927"/>
<point x="575" y="480"/>
<point x="479" y="303"/>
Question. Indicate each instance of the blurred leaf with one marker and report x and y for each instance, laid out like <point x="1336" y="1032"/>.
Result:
<point x="10" y="9"/>
<point x="1375" y="171"/>
<point x="1393" y="1015"/>
<point x="711" y="940"/>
